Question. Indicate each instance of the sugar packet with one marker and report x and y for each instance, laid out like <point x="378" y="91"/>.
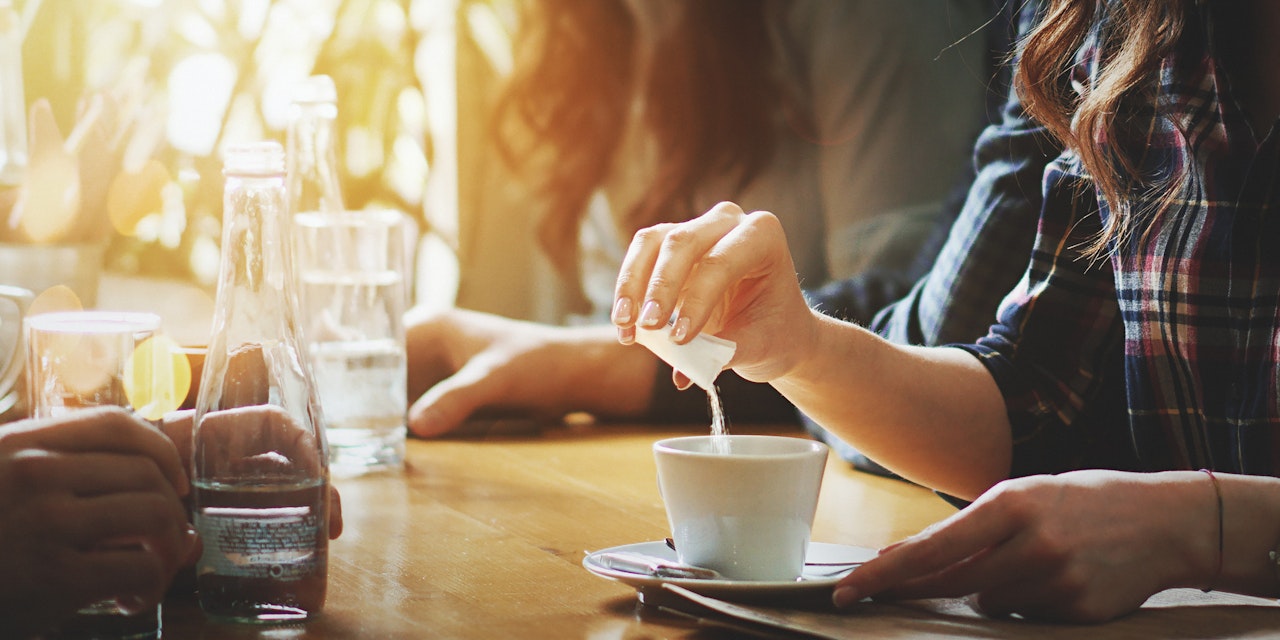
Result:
<point x="701" y="359"/>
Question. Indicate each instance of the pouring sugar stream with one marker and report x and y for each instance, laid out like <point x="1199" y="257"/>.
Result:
<point x="701" y="359"/>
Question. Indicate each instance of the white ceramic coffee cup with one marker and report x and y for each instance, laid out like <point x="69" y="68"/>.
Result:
<point x="741" y="504"/>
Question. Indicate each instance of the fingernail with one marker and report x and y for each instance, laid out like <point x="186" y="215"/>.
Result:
<point x="622" y="311"/>
<point x="436" y="420"/>
<point x="890" y="547"/>
<point x="682" y="330"/>
<point x="651" y="314"/>
<point x="845" y="596"/>
<point x="626" y="335"/>
<point x="191" y="538"/>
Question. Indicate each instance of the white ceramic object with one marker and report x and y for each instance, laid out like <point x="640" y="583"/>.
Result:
<point x="832" y="562"/>
<point x="742" y="505"/>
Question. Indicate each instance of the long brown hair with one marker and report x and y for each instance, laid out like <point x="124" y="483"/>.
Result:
<point x="1140" y="34"/>
<point x="712" y="100"/>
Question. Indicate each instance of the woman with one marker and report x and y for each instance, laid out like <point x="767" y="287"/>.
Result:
<point x="1138" y="349"/>
<point x="855" y="117"/>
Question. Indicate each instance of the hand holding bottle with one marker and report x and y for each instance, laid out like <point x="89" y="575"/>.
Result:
<point x="285" y="434"/>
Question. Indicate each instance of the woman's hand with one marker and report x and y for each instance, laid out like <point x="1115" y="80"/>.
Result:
<point x="726" y="272"/>
<point x="177" y="426"/>
<point x="933" y="415"/>
<point x="90" y="509"/>
<point x="1085" y="546"/>
<point x="465" y="362"/>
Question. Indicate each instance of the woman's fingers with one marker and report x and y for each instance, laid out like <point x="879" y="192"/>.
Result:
<point x="335" y="513"/>
<point x="177" y="426"/>
<point x="447" y="404"/>
<point x="660" y="261"/>
<point x="726" y="272"/>
<point x="687" y="247"/>
<point x="993" y="567"/>
<point x="85" y="498"/>
<point x="692" y="271"/>
<point x="102" y="429"/>
<point x="259" y="437"/>
<point x="961" y="537"/>
<point x="124" y="516"/>
<point x="147" y="519"/>
<point x="61" y="530"/>
<point x="633" y="276"/>
<point x="746" y="251"/>
<point x="1040" y="547"/>
<point x="88" y="474"/>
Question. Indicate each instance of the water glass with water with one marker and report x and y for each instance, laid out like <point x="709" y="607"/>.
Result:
<point x="351" y="270"/>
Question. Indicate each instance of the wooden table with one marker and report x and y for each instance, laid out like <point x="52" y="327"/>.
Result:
<point x="485" y="539"/>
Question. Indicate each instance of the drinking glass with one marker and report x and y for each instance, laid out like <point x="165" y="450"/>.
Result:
<point x="81" y="359"/>
<point x="353" y="297"/>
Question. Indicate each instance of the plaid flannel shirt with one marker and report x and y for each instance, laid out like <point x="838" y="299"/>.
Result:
<point x="1170" y="349"/>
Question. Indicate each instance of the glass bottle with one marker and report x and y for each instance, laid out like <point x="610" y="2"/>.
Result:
<point x="312" y="152"/>
<point x="312" y="156"/>
<point x="13" y="105"/>
<point x="260" y="471"/>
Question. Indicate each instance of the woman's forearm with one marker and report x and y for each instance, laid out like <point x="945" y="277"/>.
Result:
<point x="931" y="414"/>
<point x="1250" y="532"/>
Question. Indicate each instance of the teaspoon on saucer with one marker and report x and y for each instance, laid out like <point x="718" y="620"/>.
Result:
<point x="853" y="563"/>
<point x="651" y="566"/>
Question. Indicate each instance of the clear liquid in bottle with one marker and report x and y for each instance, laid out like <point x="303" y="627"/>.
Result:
<point x="260" y="470"/>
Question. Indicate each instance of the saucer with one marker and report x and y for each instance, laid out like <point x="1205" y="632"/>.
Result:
<point x="815" y="581"/>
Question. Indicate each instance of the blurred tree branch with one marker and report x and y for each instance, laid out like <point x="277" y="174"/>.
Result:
<point x="131" y="48"/>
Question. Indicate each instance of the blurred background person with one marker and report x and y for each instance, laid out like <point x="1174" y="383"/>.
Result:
<point x="857" y="118"/>
<point x="856" y="115"/>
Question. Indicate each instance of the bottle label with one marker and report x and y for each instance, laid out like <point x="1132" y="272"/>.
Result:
<point x="277" y="543"/>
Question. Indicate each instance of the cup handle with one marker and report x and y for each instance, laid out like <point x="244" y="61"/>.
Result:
<point x="14" y="360"/>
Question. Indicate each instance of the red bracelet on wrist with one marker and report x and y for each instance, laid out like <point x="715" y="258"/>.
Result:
<point x="1217" y="492"/>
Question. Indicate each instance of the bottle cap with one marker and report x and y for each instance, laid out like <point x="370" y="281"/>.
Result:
<point x="254" y="158"/>
<point x="317" y="88"/>
<point x="702" y="358"/>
